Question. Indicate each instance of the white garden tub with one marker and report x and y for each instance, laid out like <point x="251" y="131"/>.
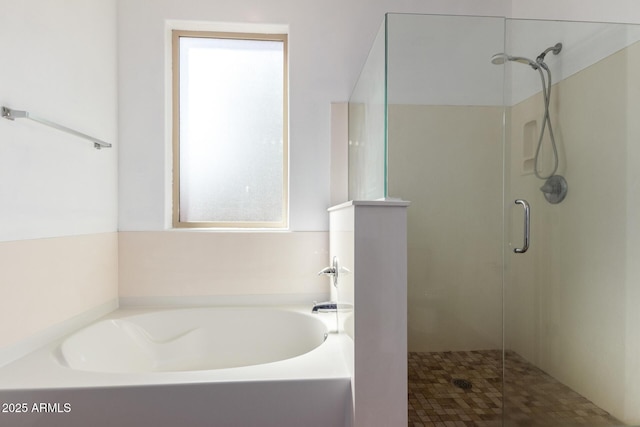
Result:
<point x="193" y="340"/>
<point x="217" y="366"/>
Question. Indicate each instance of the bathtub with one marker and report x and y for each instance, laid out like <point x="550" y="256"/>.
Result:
<point x="222" y="366"/>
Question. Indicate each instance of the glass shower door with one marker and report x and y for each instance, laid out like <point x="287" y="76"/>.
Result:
<point x="444" y="122"/>
<point x="572" y="345"/>
<point x="448" y="115"/>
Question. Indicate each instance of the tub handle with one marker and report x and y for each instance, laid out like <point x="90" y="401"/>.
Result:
<point x="331" y="271"/>
<point x="527" y="226"/>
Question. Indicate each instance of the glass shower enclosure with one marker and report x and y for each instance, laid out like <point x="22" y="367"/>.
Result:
<point x="522" y="305"/>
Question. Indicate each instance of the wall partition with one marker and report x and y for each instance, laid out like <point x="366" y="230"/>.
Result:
<point x="480" y="112"/>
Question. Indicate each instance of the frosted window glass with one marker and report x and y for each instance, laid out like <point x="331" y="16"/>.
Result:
<point x="231" y="130"/>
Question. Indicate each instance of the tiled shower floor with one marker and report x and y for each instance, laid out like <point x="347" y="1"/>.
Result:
<point x="533" y="398"/>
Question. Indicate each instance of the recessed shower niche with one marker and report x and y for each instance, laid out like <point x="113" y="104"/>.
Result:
<point x="450" y="114"/>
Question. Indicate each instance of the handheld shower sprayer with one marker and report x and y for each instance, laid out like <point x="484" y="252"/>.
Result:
<point x="555" y="188"/>
<point x="501" y="58"/>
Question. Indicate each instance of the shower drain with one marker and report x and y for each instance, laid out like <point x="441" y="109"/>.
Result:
<point x="460" y="383"/>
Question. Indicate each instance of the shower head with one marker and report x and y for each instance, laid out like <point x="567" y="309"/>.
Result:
<point x="501" y="58"/>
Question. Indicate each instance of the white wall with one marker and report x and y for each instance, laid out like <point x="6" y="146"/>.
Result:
<point x="58" y="201"/>
<point x="369" y="239"/>
<point x="444" y="60"/>
<point x="328" y="44"/>
<point x="58" y="62"/>
<point x="423" y="70"/>
<point x="625" y="11"/>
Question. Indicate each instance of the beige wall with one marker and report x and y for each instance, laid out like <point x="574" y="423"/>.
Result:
<point x="632" y="249"/>
<point x="47" y="281"/>
<point x="571" y="298"/>
<point x="447" y="161"/>
<point x="187" y="264"/>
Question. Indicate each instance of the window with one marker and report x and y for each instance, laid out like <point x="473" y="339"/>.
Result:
<point x="230" y="161"/>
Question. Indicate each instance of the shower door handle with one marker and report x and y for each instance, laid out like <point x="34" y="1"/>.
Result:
<point x="527" y="225"/>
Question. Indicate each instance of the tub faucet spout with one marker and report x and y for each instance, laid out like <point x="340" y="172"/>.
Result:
<point x="324" y="307"/>
<point x="330" y="306"/>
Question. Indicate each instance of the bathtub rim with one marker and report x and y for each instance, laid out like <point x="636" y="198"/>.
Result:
<point x="40" y="369"/>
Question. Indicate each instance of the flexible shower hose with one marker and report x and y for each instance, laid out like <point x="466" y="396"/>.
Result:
<point x="546" y="91"/>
